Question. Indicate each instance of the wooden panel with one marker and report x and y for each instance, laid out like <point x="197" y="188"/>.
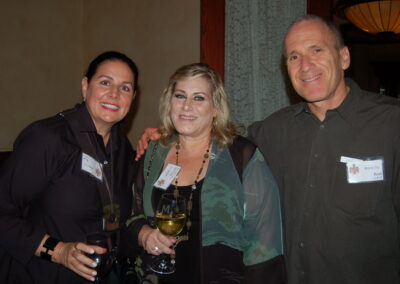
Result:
<point x="213" y="34"/>
<point x="322" y="8"/>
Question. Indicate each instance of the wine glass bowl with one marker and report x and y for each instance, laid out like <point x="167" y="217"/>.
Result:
<point x="170" y="221"/>
<point x="170" y="226"/>
<point x="105" y="260"/>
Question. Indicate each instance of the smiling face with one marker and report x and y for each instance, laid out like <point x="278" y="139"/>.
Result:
<point x="109" y="94"/>
<point x="192" y="109"/>
<point x="315" y="64"/>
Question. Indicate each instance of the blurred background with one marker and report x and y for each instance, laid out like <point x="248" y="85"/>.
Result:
<point x="46" y="45"/>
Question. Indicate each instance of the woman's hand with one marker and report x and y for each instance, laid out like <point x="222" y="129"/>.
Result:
<point x="72" y="256"/>
<point x="143" y="143"/>
<point x="154" y="242"/>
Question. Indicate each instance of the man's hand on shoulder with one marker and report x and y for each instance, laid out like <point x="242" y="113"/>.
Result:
<point x="152" y="134"/>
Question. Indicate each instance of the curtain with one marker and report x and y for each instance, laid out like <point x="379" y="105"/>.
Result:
<point x="255" y="74"/>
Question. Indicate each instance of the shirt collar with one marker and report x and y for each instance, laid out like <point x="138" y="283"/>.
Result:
<point x="300" y="108"/>
<point x="83" y="122"/>
<point x="347" y="108"/>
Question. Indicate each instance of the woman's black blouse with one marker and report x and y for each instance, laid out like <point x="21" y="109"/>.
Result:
<point x="43" y="189"/>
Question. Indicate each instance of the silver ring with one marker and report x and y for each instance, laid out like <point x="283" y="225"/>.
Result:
<point x="155" y="249"/>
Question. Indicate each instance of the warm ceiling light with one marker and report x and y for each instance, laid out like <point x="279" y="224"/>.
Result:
<point x="375" y="17"/>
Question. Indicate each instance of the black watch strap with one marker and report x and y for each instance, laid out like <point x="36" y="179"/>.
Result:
<point x="49" y="244"/>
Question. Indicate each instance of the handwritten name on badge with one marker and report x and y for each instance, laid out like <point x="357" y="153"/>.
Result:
<point x="167" y="176"/>
<point x="360" y="171"/>
<point x="91" y="166"/>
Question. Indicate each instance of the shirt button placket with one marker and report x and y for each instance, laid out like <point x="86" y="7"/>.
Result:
<point x="302" y="275"/>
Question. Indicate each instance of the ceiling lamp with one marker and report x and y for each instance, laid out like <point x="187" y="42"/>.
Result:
<point x="375" y="17"/>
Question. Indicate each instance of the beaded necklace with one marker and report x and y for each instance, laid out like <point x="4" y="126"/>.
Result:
<point x="176" y="191"/>
<point x="194" y="185"/>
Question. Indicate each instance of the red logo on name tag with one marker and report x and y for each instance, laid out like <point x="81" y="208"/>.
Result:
<point x="354" y="170"/>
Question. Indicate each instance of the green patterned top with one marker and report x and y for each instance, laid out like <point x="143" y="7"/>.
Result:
<point x="243" y="215"/>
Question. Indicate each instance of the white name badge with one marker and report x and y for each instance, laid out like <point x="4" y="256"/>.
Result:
<point x="365" y="171"/>
<point x="167" y="176"/>
<point x="92" y="166"/>
<point x="345" y="159"/>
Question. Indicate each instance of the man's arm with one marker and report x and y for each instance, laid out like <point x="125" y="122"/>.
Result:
<point x="152" y="134"/>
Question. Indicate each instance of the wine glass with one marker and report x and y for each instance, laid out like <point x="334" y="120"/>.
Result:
<point x="105" y="260"/>
<point x="170" y="220"/>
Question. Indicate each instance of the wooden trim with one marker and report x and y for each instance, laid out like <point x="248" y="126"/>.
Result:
<point x="321" y="8"/>
<point x="212" y="34"/>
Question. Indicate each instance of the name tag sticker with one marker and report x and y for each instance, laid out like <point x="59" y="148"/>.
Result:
<point x="91" y="166"/>
<point x="345" y="160"/>
<point x="359" y="171"/>
<point x="167" y="176"/>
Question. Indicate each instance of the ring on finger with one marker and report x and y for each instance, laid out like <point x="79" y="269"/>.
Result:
<point x="155" y="249"/>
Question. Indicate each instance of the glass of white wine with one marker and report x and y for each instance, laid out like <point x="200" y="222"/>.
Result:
<point x="170" y="220"/>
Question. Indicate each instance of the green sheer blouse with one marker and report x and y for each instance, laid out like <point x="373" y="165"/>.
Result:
<point x="240" y="212"/>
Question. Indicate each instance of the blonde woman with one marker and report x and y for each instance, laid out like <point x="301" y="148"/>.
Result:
<point x="234" y="223"/>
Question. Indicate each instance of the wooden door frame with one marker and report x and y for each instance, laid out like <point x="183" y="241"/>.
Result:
<point x="212" y="34"/>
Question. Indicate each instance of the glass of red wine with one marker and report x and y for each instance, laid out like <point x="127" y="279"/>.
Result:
<point x="104" y="261"/>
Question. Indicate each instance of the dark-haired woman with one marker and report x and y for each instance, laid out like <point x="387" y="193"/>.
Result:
<point x="69" y="175"/>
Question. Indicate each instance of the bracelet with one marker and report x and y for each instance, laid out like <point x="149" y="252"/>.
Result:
<point x="49" y="244"/>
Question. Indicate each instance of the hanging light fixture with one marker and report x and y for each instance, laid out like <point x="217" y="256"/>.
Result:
<point x="375" y="17"/>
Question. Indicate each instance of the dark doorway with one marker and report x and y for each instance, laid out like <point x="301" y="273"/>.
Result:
<point x="375" y="60"/>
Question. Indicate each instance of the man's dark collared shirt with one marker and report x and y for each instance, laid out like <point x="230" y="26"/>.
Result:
<point x="337" y="232"/>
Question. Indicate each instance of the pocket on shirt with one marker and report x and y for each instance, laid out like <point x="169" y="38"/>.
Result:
<point x="355" y="199"/>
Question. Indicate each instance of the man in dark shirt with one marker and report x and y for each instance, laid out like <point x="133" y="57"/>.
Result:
<point x="336" y="158"/>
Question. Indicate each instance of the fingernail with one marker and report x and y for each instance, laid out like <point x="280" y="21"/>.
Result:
<point x="94" y="273"/>
<point x="94" y="264"/>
